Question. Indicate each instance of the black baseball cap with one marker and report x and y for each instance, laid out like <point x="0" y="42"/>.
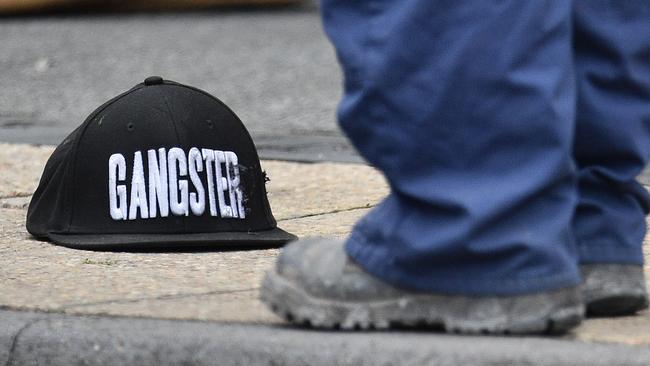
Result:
<point x="161" y="166"/>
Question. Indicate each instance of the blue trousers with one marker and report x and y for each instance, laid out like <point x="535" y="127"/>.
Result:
<point x="511" y="133"/>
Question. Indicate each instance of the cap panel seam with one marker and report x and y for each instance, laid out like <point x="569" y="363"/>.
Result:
<point x="75" y="148"/>
<point x="178" y="137"/>
<point x="261" y="182"/>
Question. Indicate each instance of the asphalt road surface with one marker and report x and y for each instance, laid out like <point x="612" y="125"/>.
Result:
<point x="274" y="68"/>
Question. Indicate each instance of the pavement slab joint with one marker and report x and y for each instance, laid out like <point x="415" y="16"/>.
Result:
<point x="162" y="297"/>
<point x="368" y="206"/>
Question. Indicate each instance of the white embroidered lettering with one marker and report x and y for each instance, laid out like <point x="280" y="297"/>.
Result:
<point x="177" y="166"/>
<point x="138" y="190"/>
<point x="162" y="189"/>
<point x="158" y="182"/>
<point x="197" y="200"/>
<point x="236" y="196"/>
<point x="222" y="184"/>
<point x="208" y="156"/>
<point x="117" y="171"/>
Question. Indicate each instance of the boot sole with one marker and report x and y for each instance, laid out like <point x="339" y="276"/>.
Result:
<point x="617" y="305"/>
<point x="293" y="304"/>
<point x="613" y="289"/>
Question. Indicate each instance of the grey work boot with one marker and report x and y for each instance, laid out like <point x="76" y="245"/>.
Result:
<point x="315" y="283"/>
<point x="613" y="289"/>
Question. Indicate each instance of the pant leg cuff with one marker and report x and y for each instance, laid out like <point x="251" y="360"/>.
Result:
<point x="595" y="253"/>
<point x="378" y="262"/>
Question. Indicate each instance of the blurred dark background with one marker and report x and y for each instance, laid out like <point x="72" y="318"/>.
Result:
<point x="267" y="59"/>
<point x="271" y="63"/>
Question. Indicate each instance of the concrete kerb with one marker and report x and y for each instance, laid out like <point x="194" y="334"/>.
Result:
<point x="56" y="339"/>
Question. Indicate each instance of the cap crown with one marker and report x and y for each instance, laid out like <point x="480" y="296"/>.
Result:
<point x="162" y="158"/>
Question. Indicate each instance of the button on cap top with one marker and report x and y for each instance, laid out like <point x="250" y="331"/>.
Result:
<point x="153" y="80"/>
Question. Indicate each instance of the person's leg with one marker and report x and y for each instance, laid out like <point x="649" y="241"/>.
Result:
<point x="470" y="115"/>
<point x="612" y="146"/>
<point x="467" y="107"/>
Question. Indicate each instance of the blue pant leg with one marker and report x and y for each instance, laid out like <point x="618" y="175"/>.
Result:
<point x="467" y="107"/>
<point x="612" y="142"/>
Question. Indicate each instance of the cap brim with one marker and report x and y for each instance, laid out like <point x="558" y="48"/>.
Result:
<point x="273" y="238"/>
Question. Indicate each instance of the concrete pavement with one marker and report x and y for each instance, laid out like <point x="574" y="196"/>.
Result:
<point x="307" y="199"/>
<point x="64" y="306"/>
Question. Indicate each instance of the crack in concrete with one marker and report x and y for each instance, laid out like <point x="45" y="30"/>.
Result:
<point x="17" y="195"/>
<point x="161" y="297"/>
<point x="328" y="212"/>
<point x="14" y="341"/>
